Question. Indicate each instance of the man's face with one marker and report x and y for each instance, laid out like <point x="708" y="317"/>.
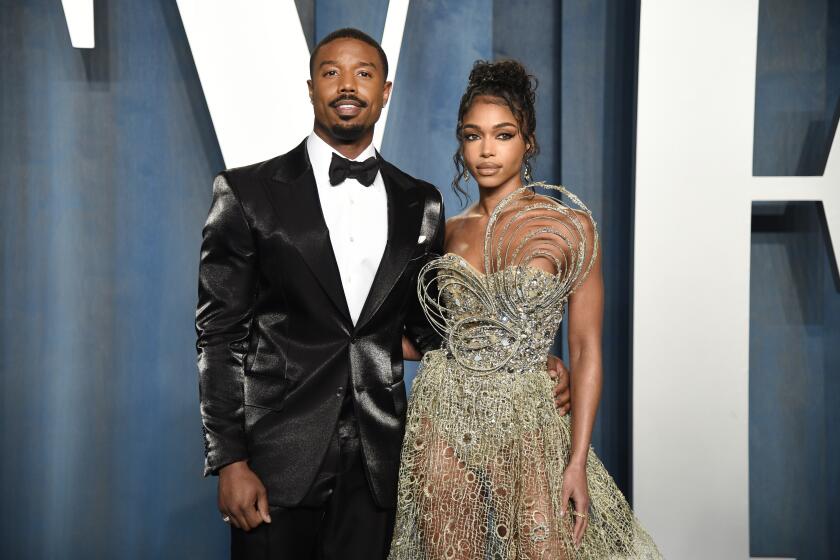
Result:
<point x="347" y="89"/>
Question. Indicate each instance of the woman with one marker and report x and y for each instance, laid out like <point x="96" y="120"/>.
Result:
<point x="489" y="469"/>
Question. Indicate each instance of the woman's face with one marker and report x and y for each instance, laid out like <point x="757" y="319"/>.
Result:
<point x="492" y="144"/>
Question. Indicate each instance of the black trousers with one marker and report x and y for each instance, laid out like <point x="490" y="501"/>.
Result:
<point x="338" y="519"/>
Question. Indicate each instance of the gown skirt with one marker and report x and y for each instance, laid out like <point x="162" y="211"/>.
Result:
<point x="481" y="474"/>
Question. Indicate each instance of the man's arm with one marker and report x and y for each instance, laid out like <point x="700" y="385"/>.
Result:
<point x="226" y="290"/>
<point x="562" y="393"/>
<point x="419" y="334"/>
<point x="226" y="280"/>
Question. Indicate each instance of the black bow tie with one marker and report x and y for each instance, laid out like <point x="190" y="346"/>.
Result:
<point x="363" y="171"/>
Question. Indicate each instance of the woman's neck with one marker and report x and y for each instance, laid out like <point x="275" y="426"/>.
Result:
<point x="489" y="198"/>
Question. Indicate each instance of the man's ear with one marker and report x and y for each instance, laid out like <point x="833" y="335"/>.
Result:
<point x="386" y="92"/>
<point x="311" y="91"/>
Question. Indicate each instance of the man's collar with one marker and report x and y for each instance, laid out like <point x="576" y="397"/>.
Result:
<point x="320" y="153"/>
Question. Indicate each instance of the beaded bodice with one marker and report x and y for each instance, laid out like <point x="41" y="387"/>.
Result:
<point x="506" y="317"/>
<point x="487" y="332"/>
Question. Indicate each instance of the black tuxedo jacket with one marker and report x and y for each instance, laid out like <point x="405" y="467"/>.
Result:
<point x="276" y="346"/>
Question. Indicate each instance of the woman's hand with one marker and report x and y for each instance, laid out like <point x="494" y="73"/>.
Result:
<point x="409" y="351"/>
<point x="575" y="489"/>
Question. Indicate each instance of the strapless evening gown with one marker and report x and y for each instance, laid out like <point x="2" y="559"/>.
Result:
<point x="484" y="451"/>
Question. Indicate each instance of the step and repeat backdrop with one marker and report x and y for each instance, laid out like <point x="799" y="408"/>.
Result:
<point x="700" y="134"/>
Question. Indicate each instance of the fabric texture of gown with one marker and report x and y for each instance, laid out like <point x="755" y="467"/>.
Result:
<point x="484" y="452"/>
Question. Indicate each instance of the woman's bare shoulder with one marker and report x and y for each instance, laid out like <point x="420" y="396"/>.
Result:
<point x="459" y="225"/>
<point x="462" y="220"/>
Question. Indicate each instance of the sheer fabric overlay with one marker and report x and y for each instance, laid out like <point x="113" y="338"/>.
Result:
<point x="484" y="451"/>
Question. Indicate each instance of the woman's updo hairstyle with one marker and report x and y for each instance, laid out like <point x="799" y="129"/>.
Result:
<point x="508" y="81"/>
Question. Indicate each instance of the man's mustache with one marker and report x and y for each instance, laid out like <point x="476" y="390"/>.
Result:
<point x="348" y="97"/>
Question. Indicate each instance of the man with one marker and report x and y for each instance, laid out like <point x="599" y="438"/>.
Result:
<point x="307" y="298"/>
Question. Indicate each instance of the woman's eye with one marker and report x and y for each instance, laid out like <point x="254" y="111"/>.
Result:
<point x="505" y="136"/>
<point x="471" y="137"/>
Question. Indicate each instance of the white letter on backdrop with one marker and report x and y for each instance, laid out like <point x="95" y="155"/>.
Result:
<point x="694" y="194"/>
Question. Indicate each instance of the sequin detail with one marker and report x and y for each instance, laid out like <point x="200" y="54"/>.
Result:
<point x="485" y="450"/>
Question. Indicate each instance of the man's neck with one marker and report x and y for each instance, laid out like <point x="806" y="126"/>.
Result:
<point x="348" y="149"/>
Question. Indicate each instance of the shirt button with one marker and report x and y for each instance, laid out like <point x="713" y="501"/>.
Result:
<point x="338" y="393"/>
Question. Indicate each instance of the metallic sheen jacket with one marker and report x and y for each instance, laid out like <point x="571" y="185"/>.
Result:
<point x="276" y="345"/>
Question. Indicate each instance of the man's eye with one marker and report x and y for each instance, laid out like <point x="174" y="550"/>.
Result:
<point x="364" y="74"/>
<point x="330" y="73"/>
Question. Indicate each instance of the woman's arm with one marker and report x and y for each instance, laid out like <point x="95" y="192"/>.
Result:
<point x="586" y="315"/>
<point x="585" y="321"/>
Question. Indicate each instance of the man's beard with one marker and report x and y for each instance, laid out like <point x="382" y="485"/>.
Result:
<point x="348" y="133"/>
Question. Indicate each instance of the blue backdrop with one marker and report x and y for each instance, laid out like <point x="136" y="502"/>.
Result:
<point x="108" y="157"/>
<point x="794" y="291"/>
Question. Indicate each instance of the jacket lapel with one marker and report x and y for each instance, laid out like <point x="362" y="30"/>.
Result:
<point x="404" y="218"/>
<point x="294" y="196"/>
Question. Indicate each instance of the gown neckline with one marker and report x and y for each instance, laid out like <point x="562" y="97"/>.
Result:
<point x="473" y="268"/>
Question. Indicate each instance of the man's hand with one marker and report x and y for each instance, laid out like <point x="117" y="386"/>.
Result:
<point x="562" y="395"/>
<point x="242" y="496"/>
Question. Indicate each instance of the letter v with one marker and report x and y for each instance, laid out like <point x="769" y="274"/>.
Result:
<point x="79" y="17"/>
<point x="252" y="60"/>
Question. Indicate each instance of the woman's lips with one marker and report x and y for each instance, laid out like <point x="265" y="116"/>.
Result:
<point x="487" y="170"/>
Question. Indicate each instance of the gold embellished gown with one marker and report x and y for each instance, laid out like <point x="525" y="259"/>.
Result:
<point x="485" y="449"/>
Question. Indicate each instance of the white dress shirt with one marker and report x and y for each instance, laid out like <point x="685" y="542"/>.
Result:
<point x="357" y="220"/>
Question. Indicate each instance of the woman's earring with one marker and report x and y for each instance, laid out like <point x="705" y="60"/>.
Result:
<point x="466" y="176"/>
<point x="527" y="172"/>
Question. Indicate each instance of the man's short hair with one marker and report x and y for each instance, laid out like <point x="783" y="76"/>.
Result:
<point x="349" y="33"/>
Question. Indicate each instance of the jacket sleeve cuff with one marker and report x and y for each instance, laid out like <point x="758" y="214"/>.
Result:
<point x="213" y="466"/>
